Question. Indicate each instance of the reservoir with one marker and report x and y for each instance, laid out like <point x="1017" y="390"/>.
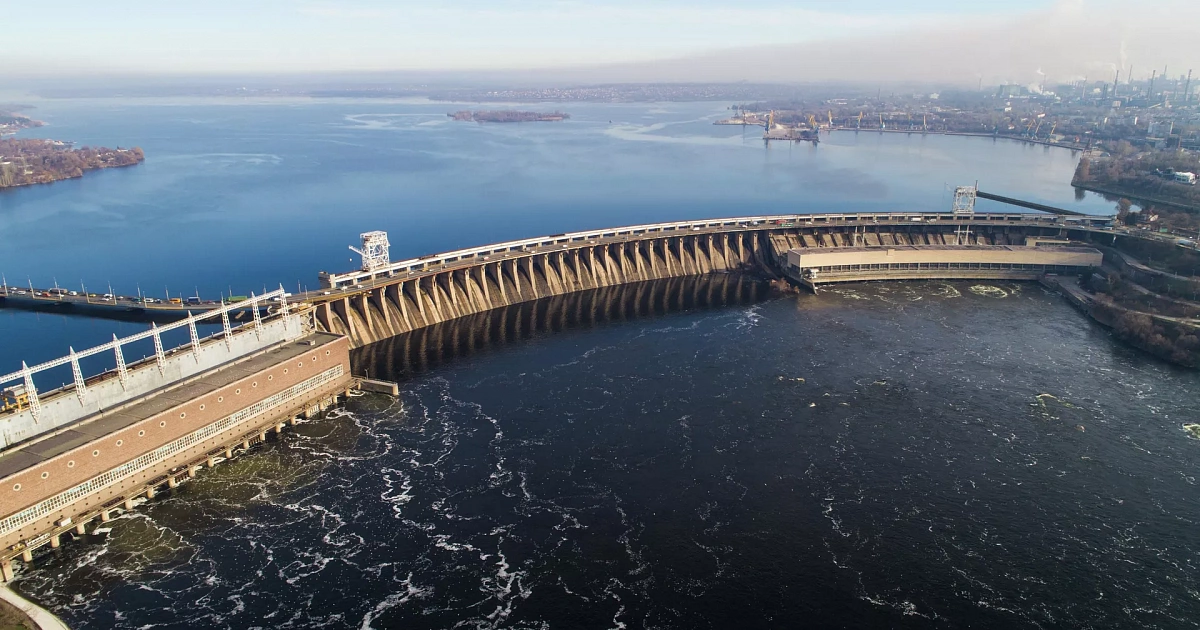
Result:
<point x="243" y="195"/>
<point x="935" y="454"/>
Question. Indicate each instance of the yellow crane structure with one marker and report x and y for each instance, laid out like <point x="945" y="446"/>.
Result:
<point x="860" y="114"/>
<point x="812" y="122"/>
<point x="831" y="119"/>
<point x="14" y="399"/>
<point x="881" y="125"/>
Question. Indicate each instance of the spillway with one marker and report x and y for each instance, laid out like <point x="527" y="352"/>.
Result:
<point x="370" y="306"/>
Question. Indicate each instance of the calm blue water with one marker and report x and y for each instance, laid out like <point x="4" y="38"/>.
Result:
<point x="246" y="195"/>
<point x="240" y="196"/>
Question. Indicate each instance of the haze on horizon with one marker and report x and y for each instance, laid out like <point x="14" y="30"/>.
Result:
<point x="943" y="41"/>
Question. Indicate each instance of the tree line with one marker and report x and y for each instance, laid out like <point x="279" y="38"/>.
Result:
<point x="1145" y="174"/>
<point x="36" y="161"/>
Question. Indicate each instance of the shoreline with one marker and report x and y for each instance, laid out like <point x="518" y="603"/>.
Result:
<point x="1086" y="304"/>
<point x="1141" y="200"/>
<point x="34" y="616"/>
<point x="65" y="179"/>
<point x="972" y="134"/>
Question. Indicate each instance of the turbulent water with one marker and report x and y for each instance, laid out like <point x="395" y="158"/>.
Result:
<point x="886" y="455"/>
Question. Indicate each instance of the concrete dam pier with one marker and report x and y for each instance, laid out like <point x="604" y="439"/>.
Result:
<point x="405" y="355"/>
<point x="388" y="299"/>
<point x="411" y="304"/>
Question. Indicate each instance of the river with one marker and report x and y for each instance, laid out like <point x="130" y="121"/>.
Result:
<point x="241" y="195"/>
<point x="903" y="455"/>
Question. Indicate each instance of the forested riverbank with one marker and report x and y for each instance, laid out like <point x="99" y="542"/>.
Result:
<point x="37" y="161"/>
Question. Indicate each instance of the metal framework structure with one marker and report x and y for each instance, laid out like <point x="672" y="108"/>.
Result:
<point x="374" y="250"/>
<point x="964" y="200"/>
<point x="25" y="374"/>
<point x="964" y="209"/>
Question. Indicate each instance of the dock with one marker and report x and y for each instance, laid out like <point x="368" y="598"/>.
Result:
<point x="118" y="307"/>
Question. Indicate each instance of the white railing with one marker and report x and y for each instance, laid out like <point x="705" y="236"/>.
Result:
<point x="26" y="372"/>
<point x="751" y="222"/>
<point x="164" y="452"/>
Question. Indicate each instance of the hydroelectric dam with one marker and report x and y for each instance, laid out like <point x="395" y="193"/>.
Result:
<point x="73" y="456"/>
<point x="385" y="298"/>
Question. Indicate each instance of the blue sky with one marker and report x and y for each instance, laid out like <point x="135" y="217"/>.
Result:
<point x="223" y="36"/>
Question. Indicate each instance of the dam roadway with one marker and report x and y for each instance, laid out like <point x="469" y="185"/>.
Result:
<point x="400" y="297"/>
<point x="85" y="451"/>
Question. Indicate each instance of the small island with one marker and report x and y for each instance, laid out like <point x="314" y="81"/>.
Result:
<point x="507" y="116"/>
<point x="35" y="161"/>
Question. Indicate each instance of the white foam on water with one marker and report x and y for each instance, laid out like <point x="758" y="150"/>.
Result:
<point x="411" y="591"/>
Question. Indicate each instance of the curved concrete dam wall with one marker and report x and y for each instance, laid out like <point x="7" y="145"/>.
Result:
<point x="420" y="293"/>
<point x="403" y="356"/>
<point x="411" y="304"/>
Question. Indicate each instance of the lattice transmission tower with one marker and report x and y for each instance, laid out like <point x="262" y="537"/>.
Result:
<point x="964" y="211"/>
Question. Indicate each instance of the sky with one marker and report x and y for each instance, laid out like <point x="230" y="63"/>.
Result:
<point x="602" y="39"/>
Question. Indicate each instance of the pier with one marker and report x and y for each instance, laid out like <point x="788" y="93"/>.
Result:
<point x="120" y="307"/>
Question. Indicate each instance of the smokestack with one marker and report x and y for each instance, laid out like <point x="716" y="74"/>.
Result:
<point x="1150" y="88"/>
<point x="1116" y="82"/>
<point x="1187" y="86"/>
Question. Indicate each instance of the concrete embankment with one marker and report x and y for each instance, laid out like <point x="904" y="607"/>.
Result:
<point x="1069" y="288"/>
<point x="22" y="613"/>
<point x="1162" y="336"/>
<point x="1133" y="196"/>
